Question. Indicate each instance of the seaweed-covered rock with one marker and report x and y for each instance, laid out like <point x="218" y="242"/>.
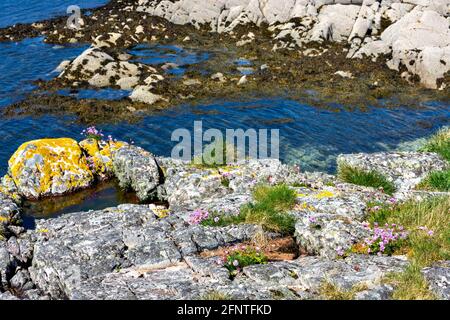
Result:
<point x="100" y="69"/>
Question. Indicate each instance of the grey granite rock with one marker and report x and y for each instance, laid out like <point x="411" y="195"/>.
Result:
<point x="9" y="214"/>
<point x="76" y="248"/>
<point x="438" y="278"/>
<point x="137" y="169"/>
<point x="404" y="169"/>
<point x="328" y="235"/>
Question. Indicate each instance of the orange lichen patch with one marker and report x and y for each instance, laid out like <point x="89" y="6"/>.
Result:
<point x="57" y="166"/>
<point x="278" y="249"/>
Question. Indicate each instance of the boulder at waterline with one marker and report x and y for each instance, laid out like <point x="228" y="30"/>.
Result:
<point x="49" y="167"/>
<point x="137" y="169"/>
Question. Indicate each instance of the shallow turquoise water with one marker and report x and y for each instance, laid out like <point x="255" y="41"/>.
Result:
<point x="312" y="138"/>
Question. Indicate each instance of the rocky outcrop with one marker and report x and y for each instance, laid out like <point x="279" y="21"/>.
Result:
<point x="418" y="42"/>
<point x="138" y="170"/>
<point x="418" y="37"/>
<point x="99" y="69"/>
<point x="158" y="252"/>
<point x="49" y="167"/>
<point x="9" y="213"/>
<point x="404" y="169"/>
<point x="96" y="246"/>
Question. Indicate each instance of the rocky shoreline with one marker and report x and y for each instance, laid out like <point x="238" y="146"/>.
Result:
<point x="348" y="52"/>
<point x="150" y="251"/>
<point x="254" y="229"/>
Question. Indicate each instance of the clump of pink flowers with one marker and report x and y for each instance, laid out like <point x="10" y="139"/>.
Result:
<point x="92" y="133"/>
<point x="198" y="216"/>
<point x="384" y="240"/>
<point x="429" y="232"/>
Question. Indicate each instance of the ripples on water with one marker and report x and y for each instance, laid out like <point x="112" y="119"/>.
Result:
<point x="309" y="136"/>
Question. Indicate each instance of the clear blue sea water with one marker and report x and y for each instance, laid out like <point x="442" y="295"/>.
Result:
<point x="310" y="136"/>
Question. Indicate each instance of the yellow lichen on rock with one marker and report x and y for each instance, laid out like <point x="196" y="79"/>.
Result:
<point x="99" y="156"/>
<point x="49" y="167"/>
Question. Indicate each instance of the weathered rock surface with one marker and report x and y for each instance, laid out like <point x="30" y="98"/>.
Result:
<point x="404" y="169"/>
<point x="418" y="41"/>
<point x="438" y="278"/>
<point x="418" y="37"/>
<point x="9" y="213"/>
<point x="99" y="69"/>
<point x="95" y="244"/>
<point x="304" y="276"/>
<point x="99" y="156"/>
<point x="137" y="169"/>
<point x="327" y="235"/>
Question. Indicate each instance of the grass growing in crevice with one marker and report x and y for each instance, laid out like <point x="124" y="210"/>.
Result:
<point x="436" y="181"/>
<point x="365" y="178"/>
<point x="429" y="241"/>
<point x="239" y="259"/>
<point x="215" y="295"/>
<point x="410" y="285"/>
<point x="330" y="291"/>
<point x="216" y="155"/>
<point x="439" y="143"/>
<point x="269" y="209"/>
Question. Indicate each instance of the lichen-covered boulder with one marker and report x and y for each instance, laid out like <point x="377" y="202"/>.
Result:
<point x="49" y="167"/>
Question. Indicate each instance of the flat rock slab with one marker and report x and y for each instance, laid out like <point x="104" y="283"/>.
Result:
<point x="195" y="278"/>
<point x="78" y="247"/>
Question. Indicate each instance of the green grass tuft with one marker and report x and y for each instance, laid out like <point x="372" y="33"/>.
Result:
<point x="410" y="285"/>
<point x="365" y="178"/>
<point x="436" y="181"/>
<point x="330" y="291"/>
<point x="439" y="143"/>
<point x="243" y="258"/>
<point x="216" y="155"/>
<point x="422" y="249"/>
<point x="268" y="210"/>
